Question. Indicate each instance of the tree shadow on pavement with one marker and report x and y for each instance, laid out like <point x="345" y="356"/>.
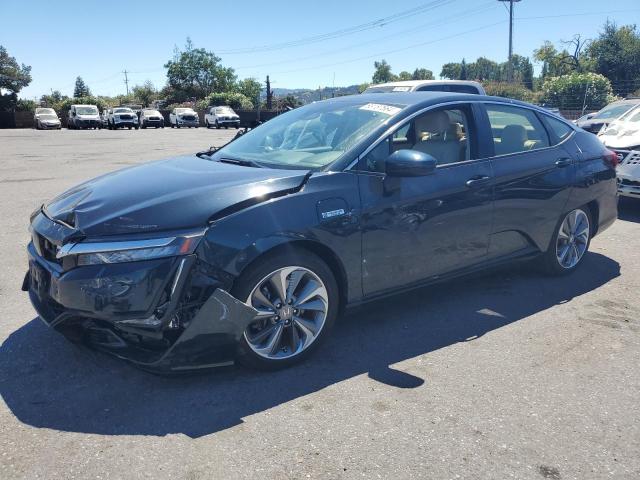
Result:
<point x="47" y="382"/>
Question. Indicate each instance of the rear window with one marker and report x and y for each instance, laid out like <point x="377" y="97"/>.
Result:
<point x="560" y="129"/>
<point x="449" y="88"/>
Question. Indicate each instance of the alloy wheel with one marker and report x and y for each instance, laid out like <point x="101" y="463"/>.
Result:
<point x="573" y="239"/>
<point x="292" y="304"/>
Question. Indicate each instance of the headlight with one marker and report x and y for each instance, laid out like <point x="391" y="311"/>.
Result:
<point x="96" y="253"/>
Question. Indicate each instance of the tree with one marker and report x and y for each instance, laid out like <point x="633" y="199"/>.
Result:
<point x="81" y="89"/>
<point x="234" y="100"/>
<point x="616" y="54"/>
<point x="422" y="74"/>
<point x="50" y="100"/>
<point x="196" y="72"/>
<point x="484" y="69"/>
<point x="13" y="78"/>
<point x="250" y="88"/>
<point x="382" y="73"/>
<point x="404" y="76"/>
<point x="451" y="71"/>
<point x="145" y="93"/>
<point x="464" y="71"/>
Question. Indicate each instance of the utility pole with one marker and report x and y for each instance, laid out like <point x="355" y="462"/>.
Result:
<point x="510" y="64"/>
<point x="126" y="81"/>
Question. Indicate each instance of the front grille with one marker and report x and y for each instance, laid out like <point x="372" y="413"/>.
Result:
<point x="629" y="183"/>
<point x="154" y="118"/>
<point x="188" y="117"/>
<point x="126" y="117"/>
<point x="628" y="157"/>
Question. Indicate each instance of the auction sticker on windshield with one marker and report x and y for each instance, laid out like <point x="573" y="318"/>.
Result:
<point x="378" y="107"/>
<point x="401" y="89"/>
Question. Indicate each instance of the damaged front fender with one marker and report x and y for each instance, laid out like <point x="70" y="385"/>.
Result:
<point x="209" y="341"/>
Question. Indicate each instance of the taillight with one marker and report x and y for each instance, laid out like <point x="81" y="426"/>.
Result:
<point x="611" y="158"/>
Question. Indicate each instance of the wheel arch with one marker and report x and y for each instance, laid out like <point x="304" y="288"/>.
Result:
<point x="326" y="254"/>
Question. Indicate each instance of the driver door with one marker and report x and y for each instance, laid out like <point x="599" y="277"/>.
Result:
<point x="418" y="228"/>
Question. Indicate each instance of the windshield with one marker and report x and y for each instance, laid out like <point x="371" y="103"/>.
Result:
<point x="87" y="110"/>
<point x="148" y="113"/>
<point x="225" y="111"/>
<point x="180" y="111"/>
<point x="48" y="116"/>
<point x="45" y="111"/>
<point x="122" y="110"/>
<point x="613" y="111"/>
<point x="387" y="89"/>
<point x="310" y="137"/>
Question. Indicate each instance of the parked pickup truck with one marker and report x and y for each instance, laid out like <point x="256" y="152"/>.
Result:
<point x="221" y="117"/>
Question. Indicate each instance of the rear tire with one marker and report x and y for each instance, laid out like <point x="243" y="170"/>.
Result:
<point x="299" y="328"/>
<point x="570" y="242"/>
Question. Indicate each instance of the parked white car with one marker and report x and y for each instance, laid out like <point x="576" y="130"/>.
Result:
<point x="221" y="117"/>
<point x="457" y="86"/>
<point x="623" y="137"/>
<point x="46" y="118"/>
<point x="184" y="117"/>
<point x="83" y="116"/>
<point x="150" y="117"/>
<point x="121" y="117"/>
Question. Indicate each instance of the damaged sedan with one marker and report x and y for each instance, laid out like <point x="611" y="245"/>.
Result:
<point x="248" y="253"/>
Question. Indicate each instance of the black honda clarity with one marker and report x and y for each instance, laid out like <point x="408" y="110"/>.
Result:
<point x="250" y="252"/>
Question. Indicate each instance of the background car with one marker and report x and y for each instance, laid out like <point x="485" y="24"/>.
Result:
<point x="46" y="118"/>
<point x="83" y="116"/>
<point x="104" y="118"/>
<point x="150" y="117"/>
<point x="221" y="117"/>
<point x="594" y="122"/>
<point x="249" y="252"/>
<point x="458" y="86"/>
<point x="623" y="136"/>
<point x="184" y="117"/>
<point x="121" y="117"/>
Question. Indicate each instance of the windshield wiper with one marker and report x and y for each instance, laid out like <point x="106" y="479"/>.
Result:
<point x="237" y="161"/>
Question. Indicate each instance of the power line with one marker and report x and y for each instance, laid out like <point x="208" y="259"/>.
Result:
<point x="439" y="22"/>
<point x="578" y="14"/>
<point x="387" y="52"/>
<point x="381" y="22"/>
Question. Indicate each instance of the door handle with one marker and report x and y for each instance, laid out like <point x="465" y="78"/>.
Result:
<point x="478" y="181"/>
<point x="563" y="162"/>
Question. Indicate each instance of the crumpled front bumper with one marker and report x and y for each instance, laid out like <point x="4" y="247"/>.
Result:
<point x="95" y="307"/>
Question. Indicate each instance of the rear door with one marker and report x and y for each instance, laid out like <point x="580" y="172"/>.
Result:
<point x="533" y="177"/>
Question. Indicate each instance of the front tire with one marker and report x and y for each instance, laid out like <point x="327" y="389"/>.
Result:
<point x="297" y="298"/>
<point x="570" y="242"/>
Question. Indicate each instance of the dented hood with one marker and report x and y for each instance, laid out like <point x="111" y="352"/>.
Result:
<point x="172" y="194"/>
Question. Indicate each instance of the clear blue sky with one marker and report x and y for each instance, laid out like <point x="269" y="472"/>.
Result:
<point x="98" y="40"/>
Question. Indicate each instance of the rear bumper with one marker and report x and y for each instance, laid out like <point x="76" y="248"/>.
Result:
<point x="139" y="313"/>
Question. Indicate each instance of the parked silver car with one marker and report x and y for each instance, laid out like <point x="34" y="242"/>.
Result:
<point x="46" y="119"/>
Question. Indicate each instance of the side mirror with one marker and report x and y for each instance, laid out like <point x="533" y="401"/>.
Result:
<point x="410" y="163"/>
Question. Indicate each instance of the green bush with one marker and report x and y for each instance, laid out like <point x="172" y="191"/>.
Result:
<point x="573" y="91"/>
<point x="510" y="90"/>
<point x="24" y="105"/>
<point x="235" y="100"/>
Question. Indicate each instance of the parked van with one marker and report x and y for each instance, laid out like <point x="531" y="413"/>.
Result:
<point x="83" y="116"/>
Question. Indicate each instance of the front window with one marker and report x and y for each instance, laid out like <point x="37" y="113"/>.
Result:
<point x="444" y="134"/>
<point x="224" y="111"/>
<point x="184" y="111"/>
<point x="122" y="110"/>
<point x="151" y="113"/>
<point x="48" y="116"/>
<point x="45" y="111"/>
<point x="87" y="110"/>
<point x="310" y="137"/>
